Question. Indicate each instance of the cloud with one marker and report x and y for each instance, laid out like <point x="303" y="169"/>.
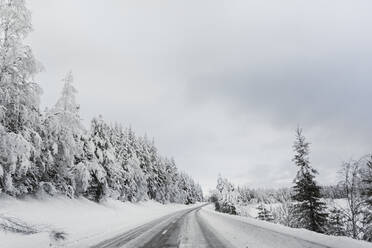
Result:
<point x="221" y="85"/>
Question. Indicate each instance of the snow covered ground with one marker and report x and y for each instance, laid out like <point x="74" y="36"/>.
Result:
<point x="84" y="222"/>
<point x="248" y="232"/>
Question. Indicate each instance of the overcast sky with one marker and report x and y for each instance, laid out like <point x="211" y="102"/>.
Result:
<point x="220" y="85"/>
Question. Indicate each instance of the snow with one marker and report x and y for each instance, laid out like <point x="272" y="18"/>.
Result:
<point x="85" y="222"/>
<point x="248" y="232"/>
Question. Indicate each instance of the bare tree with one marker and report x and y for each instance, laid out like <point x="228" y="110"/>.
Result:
<point x="351" y="183"/>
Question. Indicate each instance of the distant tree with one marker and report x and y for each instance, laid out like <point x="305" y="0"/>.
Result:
<point x="367" y="197"/>
<point x="356" y="183"/>
<point x="227" y="196"/>
<point x="352" y="183"/>
<point x="309" y="208"/>
<point x="264" y="213"/>
<point x="333" y="192"/>
<point x="336" y="222"/>
<point x="284" y="214"/>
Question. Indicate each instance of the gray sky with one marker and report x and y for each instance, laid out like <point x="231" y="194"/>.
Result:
<point x="221" y="85"/>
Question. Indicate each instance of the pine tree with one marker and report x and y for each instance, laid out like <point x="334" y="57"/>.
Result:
<point x="105" y="155"/>
<point x="309" y="208"/>
<point x="62" y="140"/>
<point x="264" y="213"/>
<point x="336" y="223"/>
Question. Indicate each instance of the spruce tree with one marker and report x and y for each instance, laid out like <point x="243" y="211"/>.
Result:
<point x="309" y="209"/>
<point x="336" y="223"/>
<point x="62" y="144"/>
<point x="264" y="213"/>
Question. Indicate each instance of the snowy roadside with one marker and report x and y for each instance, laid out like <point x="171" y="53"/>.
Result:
<point x="248" y="232"/>
<point x="84" y="222"/>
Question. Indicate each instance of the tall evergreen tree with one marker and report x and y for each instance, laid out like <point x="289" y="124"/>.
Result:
<point x="62" y="140"/>
<point x="309" y="208"/>
<point x="336" y="223"/>
<point x="104" y="151"/>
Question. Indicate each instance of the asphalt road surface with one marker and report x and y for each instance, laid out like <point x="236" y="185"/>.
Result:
<point x="193" y="228"/>
<point x="181" y="229"/>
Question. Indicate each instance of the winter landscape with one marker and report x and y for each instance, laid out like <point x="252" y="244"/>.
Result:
<point x="185" y="124"/>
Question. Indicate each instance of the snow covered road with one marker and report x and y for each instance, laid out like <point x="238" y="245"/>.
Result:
<point x="202" y="227"/>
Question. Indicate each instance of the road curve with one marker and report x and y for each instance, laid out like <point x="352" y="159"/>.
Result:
<point x="193" y="228"/>
<point x="181" y="229"/>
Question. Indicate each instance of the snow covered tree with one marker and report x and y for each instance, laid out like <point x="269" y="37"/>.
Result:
<point x="19" y="94"/>
<point x="227" y="190"/>
<point x="20" y="142"/>
<point x="309" y="208"/>
<point x="367" y="196"/>
<point x="189" y="191"/>
<point x="105" y="155"/>
<point x="134" y="186"/>
<point x="228" y="196"/>
<point x="137" y="182"/>
<point x="264" y="213"/>
<point x="352" y="183"/>
<point x="172" y="177"/>
<point x="284" y="214"/>
<point x="62" y="140"/>
<point x="336" y="222"/>
<point x="151" y="166"/>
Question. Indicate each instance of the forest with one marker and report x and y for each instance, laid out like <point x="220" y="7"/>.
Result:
<point x="51" y="152"/>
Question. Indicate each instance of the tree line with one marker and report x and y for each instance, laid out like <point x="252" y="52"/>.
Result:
<point x="305" y="204"/>
<point x="53" y="152"/>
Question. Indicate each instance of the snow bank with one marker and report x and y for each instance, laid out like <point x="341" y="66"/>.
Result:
<point x="249" y="232"/>
<point x="84" y="222"/>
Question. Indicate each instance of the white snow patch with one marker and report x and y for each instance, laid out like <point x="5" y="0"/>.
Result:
<point x="84" y="221"/>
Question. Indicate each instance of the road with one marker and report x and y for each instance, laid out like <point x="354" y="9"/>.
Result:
<point x="166" y="232"/>
<point x="196" y="228"/>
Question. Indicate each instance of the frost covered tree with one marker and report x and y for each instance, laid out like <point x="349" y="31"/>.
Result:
<point x="138" y="189"/>
<point x="367" y="196"/>
<point x="309" y="208"/>
<point x="264" y="213"/>
<point x="20" y="142"/>
<point x="19" y="94"/>
<point x="133" y="186"/>
<point x="151" y="166"/>
<point x="227" y="196"/>
<point x="62" y="135"/>
<point x="284" y="214"/>
<point x="172" y="177"/>
<point x="336" y="222"/>
<point x="104" y="152"/>
<point x="352" y="184"/>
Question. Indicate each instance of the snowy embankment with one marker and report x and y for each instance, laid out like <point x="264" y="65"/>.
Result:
<point x="248" y="232"/>
<point x="80" y="221"/>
